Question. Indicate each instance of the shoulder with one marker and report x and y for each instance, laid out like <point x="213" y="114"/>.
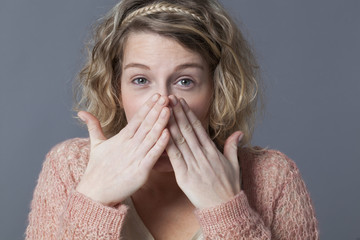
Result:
<point x="74" y="146"/>
<point x="69" y="158"/>
<point x="267" y="161"/>
<point x="265" y="173"/>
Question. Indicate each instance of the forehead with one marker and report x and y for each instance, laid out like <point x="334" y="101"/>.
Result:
<point x="149" y="46"/>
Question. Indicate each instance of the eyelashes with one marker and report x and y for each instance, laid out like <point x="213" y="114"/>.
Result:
<point x="186" y="82"/>
<point x="140" y="81"/>
<point x="182" y="82"/>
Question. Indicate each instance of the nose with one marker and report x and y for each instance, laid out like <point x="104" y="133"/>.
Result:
<point x="164" y="90"/>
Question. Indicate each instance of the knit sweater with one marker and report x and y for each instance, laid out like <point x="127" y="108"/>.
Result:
<point x="273" y="203"/>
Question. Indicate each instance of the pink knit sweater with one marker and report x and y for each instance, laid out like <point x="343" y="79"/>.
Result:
<point x="274" y="202"/>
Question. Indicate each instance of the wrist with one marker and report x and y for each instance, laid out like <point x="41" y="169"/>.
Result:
<point x="89" y="193"/>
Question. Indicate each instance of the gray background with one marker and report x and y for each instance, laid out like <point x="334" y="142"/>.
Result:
<point x="309" y="52"/>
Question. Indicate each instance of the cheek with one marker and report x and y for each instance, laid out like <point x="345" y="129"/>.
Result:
<point x="131" y="105"/>
<point x="200" y="109"/>
<point x="200" y="104"/>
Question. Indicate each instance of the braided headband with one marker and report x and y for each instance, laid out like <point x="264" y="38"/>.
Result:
<point x="159" y="8"/>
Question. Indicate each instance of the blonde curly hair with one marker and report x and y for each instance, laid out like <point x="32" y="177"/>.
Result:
<point x="202" y="26"/>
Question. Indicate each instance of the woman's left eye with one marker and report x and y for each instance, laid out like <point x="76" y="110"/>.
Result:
<point x="185" y="82"/>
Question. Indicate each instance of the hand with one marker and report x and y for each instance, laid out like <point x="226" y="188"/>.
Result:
<point x="204" y="174"/>
<point x="119" y="166"/>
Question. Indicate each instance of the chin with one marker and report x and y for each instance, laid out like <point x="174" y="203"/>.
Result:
<point x="163" y="164"/>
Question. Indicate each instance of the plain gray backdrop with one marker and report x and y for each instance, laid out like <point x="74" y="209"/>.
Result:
<point x="310" y="57"/>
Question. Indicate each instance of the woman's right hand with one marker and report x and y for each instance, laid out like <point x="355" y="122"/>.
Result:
<point x="119" y="166"/>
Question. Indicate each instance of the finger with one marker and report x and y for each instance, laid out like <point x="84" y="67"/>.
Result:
<point x="186" y="129"/>
<point x="94" y="128"/>
<point x="176" y="159"/>
<point x="150" y="119"/>
<point x="155" y="152"/>
<point x="154" y="134"/>
<point x="198" y="128"/>
<point x="139" y="117"/>
<point x="231" y="147"/>
<point x="179" y="141"/>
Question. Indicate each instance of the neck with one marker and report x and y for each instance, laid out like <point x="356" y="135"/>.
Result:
<point x="161" y="186"/>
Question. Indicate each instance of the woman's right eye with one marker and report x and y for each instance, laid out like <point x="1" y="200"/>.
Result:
<point x="140" y="81"/>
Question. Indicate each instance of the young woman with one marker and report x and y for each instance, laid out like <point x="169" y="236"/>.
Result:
<point x="169" y="96"/>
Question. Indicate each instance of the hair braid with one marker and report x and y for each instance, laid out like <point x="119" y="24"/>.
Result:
<point x="158" y="8"/>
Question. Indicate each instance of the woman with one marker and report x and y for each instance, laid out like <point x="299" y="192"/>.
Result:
<point x="170" y="92"/>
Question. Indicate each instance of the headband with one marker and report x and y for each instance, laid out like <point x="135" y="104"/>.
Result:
<point x="159" y="8"/>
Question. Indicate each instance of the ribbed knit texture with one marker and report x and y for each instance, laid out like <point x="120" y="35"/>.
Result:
<point x="274" y="202"/>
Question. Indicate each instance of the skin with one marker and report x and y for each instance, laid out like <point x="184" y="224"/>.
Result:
<point x="165" y="92"/>
<point x="160" y="65"/>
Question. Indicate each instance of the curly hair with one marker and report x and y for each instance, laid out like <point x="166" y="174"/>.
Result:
<point x="202" y="26"/>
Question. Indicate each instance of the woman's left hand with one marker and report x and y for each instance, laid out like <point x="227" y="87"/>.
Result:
<point x="204" y="174"/>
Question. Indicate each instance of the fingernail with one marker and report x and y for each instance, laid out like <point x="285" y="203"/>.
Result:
<point x="81" y="117"/>
<point x="155" y="97"/>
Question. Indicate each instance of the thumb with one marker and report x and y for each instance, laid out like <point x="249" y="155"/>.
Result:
<point x="231" y="147"/>
<point x="95" y="132"/>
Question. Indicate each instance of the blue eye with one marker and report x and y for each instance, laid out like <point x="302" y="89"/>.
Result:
<point x="140" y="81"/>
<point x="185" y="82"/>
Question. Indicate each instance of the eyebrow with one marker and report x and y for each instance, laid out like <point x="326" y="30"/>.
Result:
<point x="189" y="65"/>
<point x="178" y="68"/>
<point x="136" y="65"/>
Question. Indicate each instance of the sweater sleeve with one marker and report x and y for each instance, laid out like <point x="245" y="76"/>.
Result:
<point x="289" y="208"/>
<point x="294" y="215"/>
<point x="232" y="220"/>
<point x="58" y="211"/>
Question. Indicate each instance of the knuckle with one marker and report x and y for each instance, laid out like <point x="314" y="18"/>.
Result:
<point x="188" y="128"/>
<point x="197" y="123"/>
<point x="176" y="155"/>
<point x="179" y="140"/>
<point x="92" y="128"/>
<point x="176" y="110"/>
